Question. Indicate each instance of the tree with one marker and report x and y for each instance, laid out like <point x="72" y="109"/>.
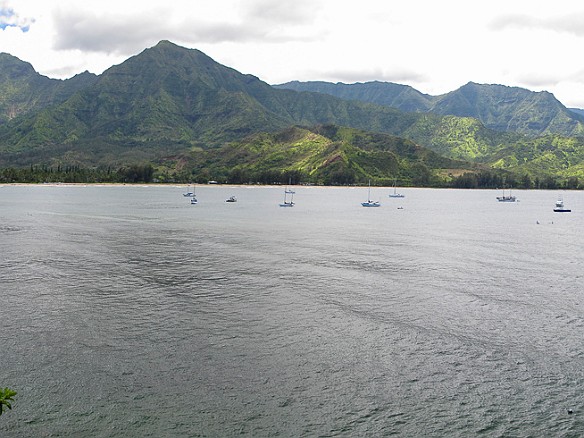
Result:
<point x="526" y="181"/>
<point x="572" y="183"/>
<point x="6" y="397"/>
<point x="421" y="174"/>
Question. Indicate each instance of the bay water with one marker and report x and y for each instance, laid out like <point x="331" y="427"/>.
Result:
<point x="125" y="311"/>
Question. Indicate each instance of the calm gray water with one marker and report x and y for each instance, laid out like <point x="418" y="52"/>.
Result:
<point x="128" y="312"/>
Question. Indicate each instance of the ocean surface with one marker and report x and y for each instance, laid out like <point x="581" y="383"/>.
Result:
<point x="127" y="312"/>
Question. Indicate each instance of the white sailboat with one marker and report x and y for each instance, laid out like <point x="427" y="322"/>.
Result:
<point x="288" y="203"/>
<point x="395" y="194"/>
<point x="194" y="197"/>
<point x="506" y="198"/>
<point x="289" y="191"/>
<point x="369" y="202"/>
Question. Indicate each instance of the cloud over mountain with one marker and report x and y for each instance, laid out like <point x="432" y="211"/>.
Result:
<point x="125" y="32"/>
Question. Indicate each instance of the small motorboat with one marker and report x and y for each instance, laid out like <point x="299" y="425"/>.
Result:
<point x="560" y="208"/>
<point x="231" y="199"/>
<point x="189" y="193"/>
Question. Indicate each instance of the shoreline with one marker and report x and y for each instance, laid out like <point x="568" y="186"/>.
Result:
<point x="182" y="185"/>
<point x="250" y="186"/>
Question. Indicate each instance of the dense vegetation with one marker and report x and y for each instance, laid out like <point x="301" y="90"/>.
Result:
<point x="322" y="155"/>
<point x="419" y="175"/>
<point x="75" y="174"/>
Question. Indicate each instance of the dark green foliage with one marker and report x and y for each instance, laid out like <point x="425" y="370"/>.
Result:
<point x="75" y="174"/>
<point x="136" y="173"/>
<point x="492" y="179"/>
<point x="6" y="399"/>
<point x="482" y="180"/>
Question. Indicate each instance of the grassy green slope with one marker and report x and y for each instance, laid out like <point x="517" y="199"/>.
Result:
<point x="326" y="154"/>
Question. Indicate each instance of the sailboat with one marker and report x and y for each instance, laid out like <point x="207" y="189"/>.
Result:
<point x="506" y="198"/>
<point x="287" y="190"/>
<point x="288" y="203"/>
<point x="369" y="202"/>
<point x="395" y="194"/>
<point x="193" y="197"/>
<point x="560" y="208"/>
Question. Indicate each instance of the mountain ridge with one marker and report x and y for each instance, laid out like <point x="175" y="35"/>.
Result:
<point x="23" y="90"/>
<point x="499" y="107"/>
<point x="184" y="99"/>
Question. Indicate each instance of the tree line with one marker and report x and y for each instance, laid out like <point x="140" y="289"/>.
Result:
<point x="136" y="173"/>
<point x="418" y="175"/>
<point x="493" y="179"/>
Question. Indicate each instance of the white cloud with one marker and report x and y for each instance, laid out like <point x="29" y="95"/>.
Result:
<point x="398" y="75"/>
<point x="104" y="32"/>
<point x="433" y="46"/>
<point x="572" y="23"/>
<point x="112" y="31"/>
<point x="10" y="18"/>
<point x="298" y="12"/>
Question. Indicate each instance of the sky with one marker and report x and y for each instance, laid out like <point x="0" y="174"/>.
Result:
<point x="435" y="46"/>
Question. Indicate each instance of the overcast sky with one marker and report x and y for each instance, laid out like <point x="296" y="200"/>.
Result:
<point x="435" y="46"/>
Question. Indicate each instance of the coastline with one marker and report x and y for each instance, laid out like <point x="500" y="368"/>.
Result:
<point x="179" y="185"/>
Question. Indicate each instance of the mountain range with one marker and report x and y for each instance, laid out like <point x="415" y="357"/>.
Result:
<point x="177" y="108"/>
<point x="498" y="107"/>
